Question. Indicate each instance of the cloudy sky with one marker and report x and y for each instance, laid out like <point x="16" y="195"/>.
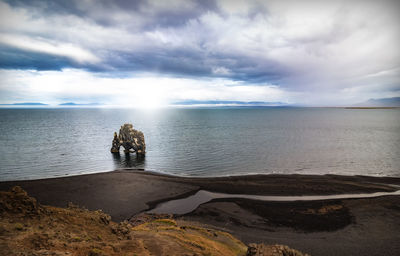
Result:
<point x="148" y="53"/>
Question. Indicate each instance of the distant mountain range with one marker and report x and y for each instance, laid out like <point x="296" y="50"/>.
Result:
<point x="384" y="102"/>
<point x="228" y="103"/>
<point x="38" y="104"/>
<point x="25" y="104"/>
<point x="79" y="104"/>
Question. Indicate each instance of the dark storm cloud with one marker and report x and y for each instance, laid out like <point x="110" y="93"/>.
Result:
<point x="11" y="58"/>
<point x="181" y="62"/>
<point x="102" y="11"/>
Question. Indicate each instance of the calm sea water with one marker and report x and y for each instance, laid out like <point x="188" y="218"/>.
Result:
<point x="41" y="143"/>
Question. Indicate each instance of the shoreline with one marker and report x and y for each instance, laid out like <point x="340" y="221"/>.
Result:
<point x="160" y="173"/>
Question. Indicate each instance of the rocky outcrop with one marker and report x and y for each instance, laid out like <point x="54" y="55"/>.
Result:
<point x="141" y="218"/>
<point x="272" y="250"/>
<point x="132" y="140"/>
<point x="18" y="203"/>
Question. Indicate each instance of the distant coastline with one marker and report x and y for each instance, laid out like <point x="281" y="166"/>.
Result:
<point x="371" y="107"/>
<point x="381" y="103"/>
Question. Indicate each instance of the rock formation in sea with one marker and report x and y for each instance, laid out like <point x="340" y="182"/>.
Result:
<point x="132" y="140"/>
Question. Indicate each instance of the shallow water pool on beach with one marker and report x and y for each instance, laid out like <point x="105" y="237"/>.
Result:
<point x="42" y="143"/>
<point x="190" y="203"/>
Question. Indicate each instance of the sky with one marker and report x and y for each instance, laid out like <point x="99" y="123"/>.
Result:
<point x="146" y="53"/>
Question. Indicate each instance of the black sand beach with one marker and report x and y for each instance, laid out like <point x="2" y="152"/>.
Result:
<point x="326" y="227"/>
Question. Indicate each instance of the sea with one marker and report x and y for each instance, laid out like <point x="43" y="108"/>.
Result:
<point x="204" y="142"/>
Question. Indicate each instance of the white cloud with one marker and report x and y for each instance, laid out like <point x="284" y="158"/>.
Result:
<point x="50" y="47"/>
<point x="221" y="71"/>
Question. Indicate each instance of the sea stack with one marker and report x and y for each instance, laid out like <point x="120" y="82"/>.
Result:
<point x="132" y="140"/>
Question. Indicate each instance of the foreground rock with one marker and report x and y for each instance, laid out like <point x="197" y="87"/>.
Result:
<point x="272" y="250"/>
<point x="132" y="140"/>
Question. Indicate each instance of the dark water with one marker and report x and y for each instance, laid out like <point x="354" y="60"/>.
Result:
<point x="40" y="143"/>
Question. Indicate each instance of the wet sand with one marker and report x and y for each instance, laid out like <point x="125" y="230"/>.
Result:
<point x="327" y="227"/>
<point x="120" y="193"/>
